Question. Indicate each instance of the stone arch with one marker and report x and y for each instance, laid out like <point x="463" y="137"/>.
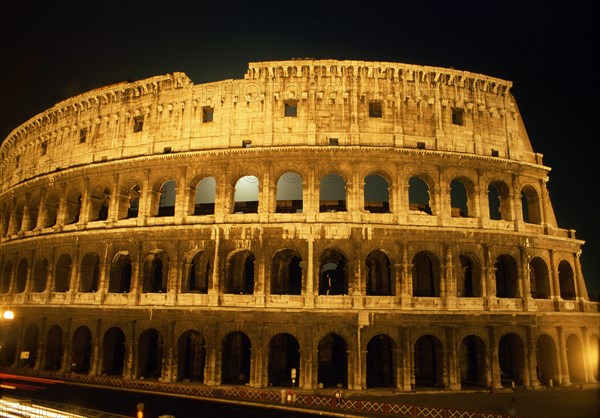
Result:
<point x="120" y="273"/>
<point x="156" y="272"/>
<point x="113" y="352"/>
<point x="284" y="355"/>
<point x="205" y="192"/>
<point x="575" y="359"/>
<point x="6" y="276"/>
<point x="461" y="197"/>
<point x="428" y="361"/>
<point x="469" y="283"/>
<point x="150" y="354"/>
<point x="376" y="194"/>
<point x="506" y="274"/>
<point x="17" y="218"/>
<point x="246" y="195"/>
<point x="289" y="192"/>
<point x="89" y="273"/>
<point x="426" y="274"/>
<point x="530" y="205"/>
<point x="235" y="356"/>
<point x="62" y="273"/>
<point x="72" y="209"/>
<point x="566" y="280"/>
<point x="379" y="274"/>
<point x="197" y="273"/>
<point x="81" y="350"/>
<point x="22" y="272"/>
<point x="332" y="193"/>
<point x="539" y="277"/>
<point x="472" y="360"/>
<point x="99" y="203"/>
<point x="166" y="195"/>
<point x="381" y="362"/>
<point x="50" y="209"/>
<point x="30" y="346"/>
<point x="54" y="348"/>
<point x="419" y="198"/>
<point x="333" y="274"/>
<point x="333" y="361"/>
<point x="129" y="199"/>
<point x="547" y="360"/>
<point x="191" y="357"/>
<point x="286" y="272"/>
<point x="499" y="201"/>
<point x="239" y="277"/>
<point x="40" y="274"/>
<point x="511" y="357"/>
<point x="33" y="209"/>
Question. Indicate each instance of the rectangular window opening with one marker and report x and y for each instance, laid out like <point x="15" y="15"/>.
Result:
<point x="495" y="153"/>
<point x="167" y="150"/>
<point x="421" y="145"/>
<point x="458" y="116"/>
<point x="375" y="109"/>
<point x="138" y="123"/>
<point x="291" y="108"/>
<point x="333" y="141"/>
<point x="44" y="148"/>
<point x="246" y="143"/>
<point x="82" y="135"/>
<point x="207" y="114"/>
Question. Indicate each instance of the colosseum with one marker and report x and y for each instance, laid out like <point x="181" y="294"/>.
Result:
<point x="349" y="224"/>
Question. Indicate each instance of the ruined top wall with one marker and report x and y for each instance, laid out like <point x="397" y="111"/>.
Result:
<point x="328" y="102"/>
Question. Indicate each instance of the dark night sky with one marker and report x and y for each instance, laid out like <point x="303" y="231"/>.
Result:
<point x="52" y="50"/>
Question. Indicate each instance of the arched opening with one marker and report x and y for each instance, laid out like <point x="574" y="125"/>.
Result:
<point x="379" y="274"/>
<point x="33" y="208"/>
<point x="50" y="209"/>
<point x="197" y="274"/>
<point x="72" y="206"/>
<point x="284" y="355"/>
<point x="30" y="347"/>
<point x="120" y="274"/>
<point x="429" y="362"/>
<point x="40" y="275"/>
<point x="469" y="277"/>
<point x="235" y="366"/>
<point x="426" y="275"/>
<point x="286" y="273"/>
<point x="566" y="280"/>
<point x="156" y="273"/>
<point x="547" y="360"/>
<point x="166" y="200"/>
<point x="240" y="273"/>
<point x="18" y="219"/>
<point x="150" y="354"/>
<point x="89" y="273"/>
<point x="332" y="194"/>
<point x="22" y="271"/>
<point x="506" y="277"/>
<point x="418" y="195"/>
<point x="376" y="194"/>
<point x="62" y="273"/>
<point x="333" y="362"/>
<point x="530" y="205"/>
<point x="575" y="360"/>
<point x="289" y="193"/>
<point x="380" y="362"/>
<point x="246" y="195"/>
<point x="333" y="278"/>
<point x="113" y="352"/>
<point x="99" y="203"/>
<point x="133" y="202"/>
<point x="498" y="200"/>
<point x="459" y="199"/>
<point x="191" y="357"/>
<point x="6" y="276"/>
<point x="512" y="360"/>
<point x="81" y="350"/>
<point x="539" y="278"/>
<point x="472" y="362"/>
<point x="54" y="348"/>
<point x="204" y="201"/>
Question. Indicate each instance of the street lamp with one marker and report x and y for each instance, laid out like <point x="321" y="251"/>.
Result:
<point x="7" y="315"/>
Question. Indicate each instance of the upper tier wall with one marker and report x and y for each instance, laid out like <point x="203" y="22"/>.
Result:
<point x="351" y="103"/>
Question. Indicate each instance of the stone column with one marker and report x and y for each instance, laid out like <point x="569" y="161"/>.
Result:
<point x="131" y="348"/>
<point x="453" y="382"/>
<point x="587" y="355"/>
<point x="580" y="288"/>
<point x="493" y="354"/>
<point x="531" y="356"/>
<point x="563" y="361"/>
<point x="210" y="365"/>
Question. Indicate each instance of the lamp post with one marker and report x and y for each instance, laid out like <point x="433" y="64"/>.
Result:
<point x="7" y="315"/>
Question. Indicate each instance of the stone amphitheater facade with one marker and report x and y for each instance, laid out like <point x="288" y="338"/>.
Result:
<point x="368" y="224"/>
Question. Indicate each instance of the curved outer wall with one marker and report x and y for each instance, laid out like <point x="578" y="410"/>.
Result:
<point x="484" y="292"/>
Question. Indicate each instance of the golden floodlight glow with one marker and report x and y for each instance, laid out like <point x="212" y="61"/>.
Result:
<point x="8" y="314"/>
